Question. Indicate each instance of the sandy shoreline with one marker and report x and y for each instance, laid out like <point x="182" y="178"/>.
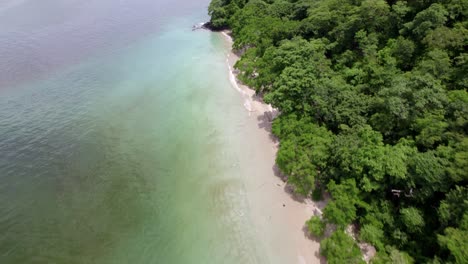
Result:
<point x="278" y="216"/>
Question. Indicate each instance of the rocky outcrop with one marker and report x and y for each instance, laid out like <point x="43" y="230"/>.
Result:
<point x="208" y="26"/>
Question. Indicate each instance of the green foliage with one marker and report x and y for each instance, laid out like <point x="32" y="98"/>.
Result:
<point x="379" y="215"/>
<point x="218" y="12"/>
<point x="304" y="153"/>
<point x="360" y="153"/>
<point x="340" y="248"/>
<point x="316" y="226"/>
<point x="342" y="209"/>
<point x="430" y="129"/>
<point x="453" y="207"/>
<point x="456" y="239"/>
<point x="428" y="175"/>
<point x="392" y="255"/>
<point x="374" y="106"/>
<point x="432" y="17"/>
<point x="412" y="219"/>
<point x="373" y="235"/>
<point x="402" y="49"/>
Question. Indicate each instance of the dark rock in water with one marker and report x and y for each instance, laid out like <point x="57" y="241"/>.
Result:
<point x="207" y="26"/>
<point x="198" y="26"/>
<point x="203" y="25"/>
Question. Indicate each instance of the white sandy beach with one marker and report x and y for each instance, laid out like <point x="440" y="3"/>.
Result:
<point x="279" y="217"/>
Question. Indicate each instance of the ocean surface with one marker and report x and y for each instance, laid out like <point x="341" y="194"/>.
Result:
<point x="119" y="136"/>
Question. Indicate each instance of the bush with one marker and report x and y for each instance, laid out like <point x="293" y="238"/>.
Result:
<point x="340" y="248"/>
<point x="316" y="226"/>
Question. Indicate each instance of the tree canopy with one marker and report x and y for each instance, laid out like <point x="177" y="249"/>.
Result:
<point x="374" y="106"/>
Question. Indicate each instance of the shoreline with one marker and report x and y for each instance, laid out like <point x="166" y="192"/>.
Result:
<point x="278" y="215"/>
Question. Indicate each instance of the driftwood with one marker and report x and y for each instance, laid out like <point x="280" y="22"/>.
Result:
<point x="399" y="192"/>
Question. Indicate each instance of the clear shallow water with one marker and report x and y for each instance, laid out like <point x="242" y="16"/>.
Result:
<point x="116" y="127"/>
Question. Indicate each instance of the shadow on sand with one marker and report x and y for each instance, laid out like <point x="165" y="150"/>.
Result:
<point x="264" y="122"/>
<point x="315" y="239"/>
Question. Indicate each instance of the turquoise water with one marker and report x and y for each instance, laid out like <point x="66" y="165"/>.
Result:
<point x="116" y="127"/>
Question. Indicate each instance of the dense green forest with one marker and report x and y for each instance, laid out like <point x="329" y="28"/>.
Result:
<point x="374" y="108"/>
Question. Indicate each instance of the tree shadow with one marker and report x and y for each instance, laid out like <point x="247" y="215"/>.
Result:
<point x="287" y="187"/>
<point x="307" y="234"/>
<point x="322" y="259"/>
<point x="258" y="98"/>
<point x="295" y="196"/>
<point x="326" y="197"/>
<point x="264" y="122"/>
<point x="279" y="174"/>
